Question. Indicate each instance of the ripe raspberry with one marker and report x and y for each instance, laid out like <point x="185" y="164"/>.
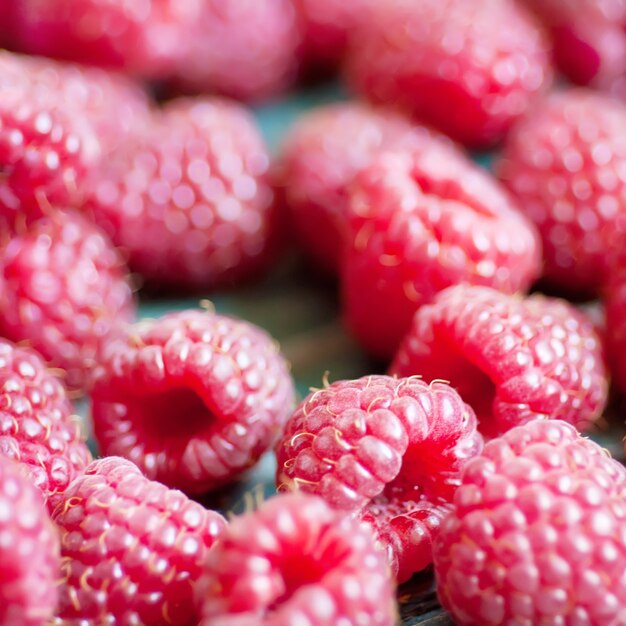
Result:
<point x="29" y="552"/>
<point x="538" y="535"/>
<point x="131" y="549"/>
<point x="565" y="165"/>
<point x="63" y="290"/>
<point x="424" y="219"/>
<point x="321" y="155"/>
<point x="143" y="38"/>
<point x="245" y="49"/>
<point x="468" y="68"/>
<point x="190" y="200"/>
<point x="36" y="423"/>
<point x="225" y="378"/>
<point x="296" y="561"/>
<point x="388" y="449"/>
<point x="512" y="359"/>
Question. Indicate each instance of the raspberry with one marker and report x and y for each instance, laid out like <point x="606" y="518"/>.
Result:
<point x="224" y="376"/>
<point x="245" y="49"/>
<point x="131" y="549"/>
<point x="321" y="155"/>
<point x="389" y="450"/>
<point x="63" y="290"/>
<point x="422" y="220"/>
<point x="615" y="327"/>
<point x="565" y="163"/>
<point x="512" y="359"/>
<point x="29" y="552"/>
<point x="296" y="561"/>
<point x="538" y="535"/>
<point x="144" y="38"/>
<point x="190" y="200"/>
<point x="468" y="68"/>
<point x="36" y="423"/>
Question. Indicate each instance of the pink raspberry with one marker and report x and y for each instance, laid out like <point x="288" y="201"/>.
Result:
<point x="193" y="399"/>
<point x="512" y="359"/>
<point x="63" y="289"/>
<point x="296" y="561"/>
<point x="131" y="549"/>
<point x="538" y="534"/>
<point x="422" y="219"/>
<point x="389" y="450"/>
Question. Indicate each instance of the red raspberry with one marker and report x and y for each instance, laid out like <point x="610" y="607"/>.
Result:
<point x="296" y="561"/>
<point x="320" y="156"/>
<point x="422" y="220"/>
<point x="224" y="376"/>
<point x="512" y="359"/>
<point x="388" y="449"/>
<point x="36" y="423"/>
<point x="565" y="165"/>
<point x="538" y="535"/>
<point x="468" y="68"/>
<point x="131" y="549"/>
<point x="245" y="49"/>
<point x="63" y="290"/>
<point x="144" y="38"/>
<point x="190" y="200"/>
<point x="29" y="552"/>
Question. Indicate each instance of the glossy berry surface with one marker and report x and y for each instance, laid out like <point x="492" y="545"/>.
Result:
<point x="512" y="359"/>
<point x="189" y="199"/>
<point x="468" y="68"/>
<point x="29" y="552"/>
<point x="423" y="219"/>
<point x="63" y="289"/>
<point x="537" y="535"/>
<point x="193" y="399"/>
<point x="565" y="166"/>
<point x="296" y="561"/>
<point x="390" y="450"/>
<point x="131" y="548"/>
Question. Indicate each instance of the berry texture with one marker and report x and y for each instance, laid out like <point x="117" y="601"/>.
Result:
<point x="246" y="49"/>
<point x="538" y="533"/>
<point x="565" y="164"/>
<point x="29" y="552"/>
<point x="319" y="159"/>
<point x="615" y="311"/>
<point x="296" y="561"/>
<point x="468" y="68"/>
<point x="389" y="450"/>
<point x="36" y="423"/>
<point x="423" y="219"/>
<point x="131" y="549"/>
<point x="63" y="290"/>
<point x="193" y="398"/>
<point x="190" y="200"/>
<point x="512" y="359"/>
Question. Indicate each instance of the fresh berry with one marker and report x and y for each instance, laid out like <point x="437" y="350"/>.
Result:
<point x="615" y="311"/>
<point x="143" y="38"/>
<point x="320" y="156"/>
<point x="468" y="68"/>
<point x="63" y="290"/>
<point x="423" y="219"/>
<point x="131" y="549"/>
<point x="538" y="535"/>
<point x="296" y="561"/>
<point x="246" y="49"/>
<point x="29" y="552"/>
<point x="193" y="398"/>
<point x="565" y="164"/>
<point x="37" y="427"/>
<point x="512" y="359"/>
<point x="389" y="450"/>
<point x="190" y="200"/>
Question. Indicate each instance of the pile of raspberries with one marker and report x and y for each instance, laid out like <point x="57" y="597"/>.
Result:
<point x="491" y="302"/>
